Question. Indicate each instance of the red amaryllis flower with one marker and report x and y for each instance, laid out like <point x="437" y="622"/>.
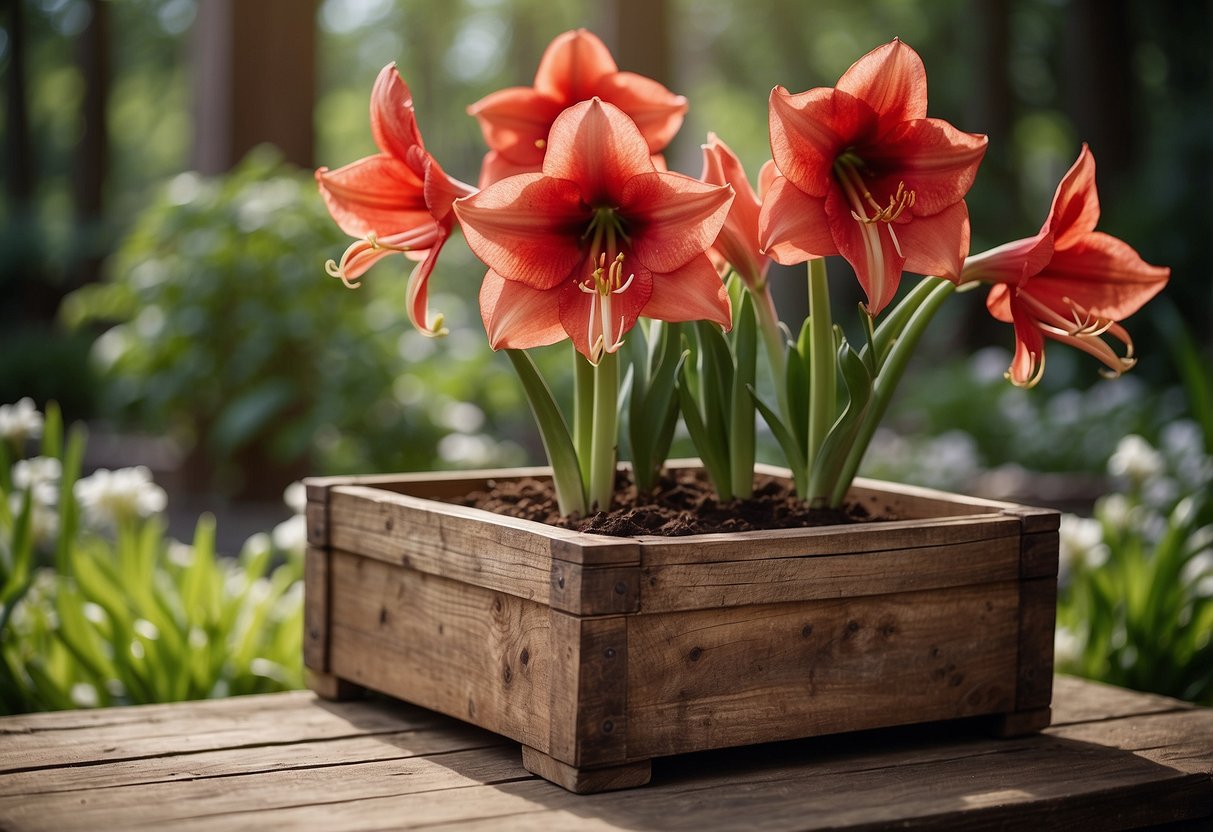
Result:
<point x="867" y="175"/>
<point x="595" y="240"/>
<point x="398" y="200"/>
<point x="1069" y="282"/>
<point x="738" y="245"/>
<point x="575" y="67"/>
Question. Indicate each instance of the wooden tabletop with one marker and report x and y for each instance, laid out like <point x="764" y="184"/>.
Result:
<point x="1113" y="759"/>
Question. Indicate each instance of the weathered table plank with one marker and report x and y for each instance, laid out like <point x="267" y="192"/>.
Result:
<point x="1114" y="759"/>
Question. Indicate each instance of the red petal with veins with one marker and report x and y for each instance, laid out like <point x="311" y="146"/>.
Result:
<point x="576" y="305"/>
<point x="572" y="66"/>
<point x="393" y="121"/>
<point x="738" y="238"/>
<point x="936" y="245"/>
<point x="657" y="111"/>
<point x="1101" y="273"/>
<point x="1075" y="208"/>
<point x="598" y="147"/>
<point x="1028" y="364"/>
<point x="417" y="290"/>
<point x="518" y="317"/>
<point x="527" y="228"/>
<point x="377" y="194"/>
<point x="515" y="123"/>
<point x="810" y="129"/>
<point x="692" y="293"/>
<point x="793" y="226"/>
<point x="671" y="218"/>
<point x="933" y="158"/>
<point x="495" y="167"/>
<point x="892" y="81"/>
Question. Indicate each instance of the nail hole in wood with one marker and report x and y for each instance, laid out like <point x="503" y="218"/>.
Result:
<point x="608" y="727"/>
<point x="695" y="653"/>
<point x="609" y="652"/>
<point x="806" y="631"/>
<point x="621" y="588"/>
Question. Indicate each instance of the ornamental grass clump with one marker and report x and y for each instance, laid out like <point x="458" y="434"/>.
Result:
<point x="589" y="239"/>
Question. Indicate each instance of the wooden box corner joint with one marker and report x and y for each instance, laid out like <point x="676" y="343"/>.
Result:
<point x="597" y="654"/>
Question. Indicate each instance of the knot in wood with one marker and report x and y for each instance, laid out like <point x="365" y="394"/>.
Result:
<point x="695" y="653"/>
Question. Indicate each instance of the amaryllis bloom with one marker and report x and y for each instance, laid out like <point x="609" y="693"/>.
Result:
<point x="738" y="244"/>
<point x="575" y="67"/>
<point x="397" y="201"/>
<point x="867" y="175"/>
<point x="595" y="240"/>
<point x="1070" y="282"/>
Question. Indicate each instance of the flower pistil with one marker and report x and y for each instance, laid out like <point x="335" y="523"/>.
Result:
<point x="601" y="285"/>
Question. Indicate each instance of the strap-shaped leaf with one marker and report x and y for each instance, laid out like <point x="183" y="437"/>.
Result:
<point x="894" y="322"/>
<point x="741" y="406"/>
<point x="554" y="432"/>
<point x="837" y="445"/>
<point x="711" y="450"/>
<point x="715" y="378"/>
<point x="792" y="449"/>
<point x="654" y="409"/>
<point x="797" y="381"/>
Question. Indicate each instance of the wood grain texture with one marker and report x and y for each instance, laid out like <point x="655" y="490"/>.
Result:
<point x="714" y="678"/>
<point x="589" y="690"/>
<point x="594" y="590"/>
<point x="316" y="609"/>
<point x="586" y="780"/>
<point x="747" y="581"/>
<point x="1037" y="618"/>
<point x="1122" y="760"/>
<point x="469" y="652"/>
<point x="330" y="687"/>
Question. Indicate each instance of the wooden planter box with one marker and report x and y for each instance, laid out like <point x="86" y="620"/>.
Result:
<point x="599" y="653"/>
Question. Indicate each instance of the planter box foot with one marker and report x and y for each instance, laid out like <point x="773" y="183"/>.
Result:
<point x="1020" y="723"/>
<point x="327" y="686"/>
<point x="586" y="780"/>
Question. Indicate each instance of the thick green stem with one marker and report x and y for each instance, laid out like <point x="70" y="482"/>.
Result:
<point x="928" y="302"/>
<point x="822" y="377"/>
<point x="605" y="432"/>
<point x="583" y="413"/>
<point x="776" y="344"/>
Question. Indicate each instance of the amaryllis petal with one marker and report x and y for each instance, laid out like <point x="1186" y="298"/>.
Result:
<point x="737" y="242"/>
<point x="872" y="249"/>
<point x="1028" y="365"/>
<point x="572" y="66"/>
<point x="936" y="245"/>
<point x="597" y="323"/>
<point x="1009" y="262"/>
<point x="891" y="80"/>
<point x="793" y="226"/>
<point x="1103" y="274"/>
<point x="672" y="217"/>
<point x="657" y="111"/>
<point x="527" y="228"/>
<point x="441" y="191"/>
<point x="598" y="147"/>
<point x="518" y="317"/>
<point x="515" y="123"/>
<point x="375" y="195"/>
<point x="393" y="121"/>
<point x="810" y="129"/>
<point x="417" y="291"/>
<point x="495" y="167"/>
<point x="691" y="293"/>
<point x="931" y="157"/>
<point x="1075" y="208"/>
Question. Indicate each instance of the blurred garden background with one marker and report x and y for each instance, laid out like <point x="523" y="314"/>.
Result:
<point x="161" y="269"/>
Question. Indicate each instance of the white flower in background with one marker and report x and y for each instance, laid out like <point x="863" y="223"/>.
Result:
<point x="20" y="421"/>
<point x="1136" y="460"/>
<point x="295" y="497"/>
<point x="36" y="471"/>
<point x="110" y="497"/>
<point x="290" y="535"/>
<point x="1080" y="545"/>
<point x="40" y="477"/>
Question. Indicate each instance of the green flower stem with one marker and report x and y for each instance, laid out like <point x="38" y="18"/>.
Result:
<point x="822" y="376"/>
<point x="741" y="404"/>
<point x="776" y="345"/>
<point x="583" y="413"/>
<point x="927" y="303"/>
<point x="605" y="432"/>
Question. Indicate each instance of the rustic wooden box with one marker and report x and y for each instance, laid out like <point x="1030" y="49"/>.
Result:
<point x="600" y="653"/>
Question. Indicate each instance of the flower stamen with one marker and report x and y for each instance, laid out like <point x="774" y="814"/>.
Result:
<point x="602" y="283"/>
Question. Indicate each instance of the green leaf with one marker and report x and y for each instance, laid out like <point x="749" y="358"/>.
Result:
<point x="251" y="412"/>
<point x="554" y="431"/>
<point x="741" y="405"/>
<point x="832" y="457"/>
<point x="792" y="449"/>
<point x="712" y="451"/>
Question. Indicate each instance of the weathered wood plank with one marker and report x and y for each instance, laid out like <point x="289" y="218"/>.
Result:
<point x="461" y="650"/>
<point x="713" y="678"/>
<point x="589" y="690"/>
<point x="316" y="609"/>
<point x="459" y="543"/>
<point x="1082" y="700"/>
<point x="594" y="590"/>
<point x="1037" y="616"/>
<point x="818" y="541"/>
<point x="36" y="741"/>
<point x="1181" y="739"/>
<point x="160" y="804"/>
<point x="586" y="780"/>
<point x="439" y="736"/>
<point x="704" y="585"/>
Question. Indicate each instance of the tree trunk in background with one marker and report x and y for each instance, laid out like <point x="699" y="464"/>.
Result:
<point x="90" y="161"/>
<point x="642" y="38"/>
<point x="254" y="66"/>
<point x="1099" y="85"/>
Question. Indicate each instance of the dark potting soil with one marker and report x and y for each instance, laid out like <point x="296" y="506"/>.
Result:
<point x="683" y="503"/>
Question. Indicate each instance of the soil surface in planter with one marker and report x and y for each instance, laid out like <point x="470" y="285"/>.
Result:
<point x="683" y="503"/>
